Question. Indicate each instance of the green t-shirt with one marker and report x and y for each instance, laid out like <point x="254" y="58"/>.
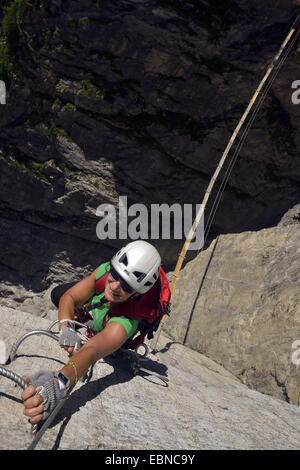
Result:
<point x="98" y="313"/>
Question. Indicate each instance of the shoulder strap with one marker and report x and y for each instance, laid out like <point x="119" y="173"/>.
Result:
<point x="149" y="306"/>
<point x="149" y="310"/>
<point x="96" y="305"/>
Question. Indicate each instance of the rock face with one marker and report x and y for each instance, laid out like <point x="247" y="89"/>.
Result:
<point x="104" y="90"/>
<point x="238" y="302"/>
<point x="139" y="98"/>
<point x="203" y="407"/>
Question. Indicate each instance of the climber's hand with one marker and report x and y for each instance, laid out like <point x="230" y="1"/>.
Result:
<point x="69" y="340"/>
<point x="42" y="395"/>
<point x="33" y="407"/>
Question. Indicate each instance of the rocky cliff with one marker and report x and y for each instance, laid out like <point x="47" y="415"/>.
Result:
<point x="238" y="302"/>
<point x="139" y="98"/>
<point x="99" y="91"/>
<point x="203" y="406"/>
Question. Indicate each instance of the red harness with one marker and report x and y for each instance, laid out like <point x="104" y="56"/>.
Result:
<point x="147" y="308"/>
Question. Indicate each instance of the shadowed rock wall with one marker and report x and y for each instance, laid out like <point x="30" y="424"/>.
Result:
<point x="138" y="99"/>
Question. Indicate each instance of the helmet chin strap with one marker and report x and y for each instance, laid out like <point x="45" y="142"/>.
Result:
<point x="134" y="296"/>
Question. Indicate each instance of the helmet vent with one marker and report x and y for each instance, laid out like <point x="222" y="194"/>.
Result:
<point x="140" y="276"/>
<point x="138" y="263"/>
<point x="124" y="259"/>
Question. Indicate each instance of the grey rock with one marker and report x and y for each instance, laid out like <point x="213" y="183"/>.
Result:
<point x="291" y="217"/>
<point x="238" y="303"/>
<point x="203" y="407"/>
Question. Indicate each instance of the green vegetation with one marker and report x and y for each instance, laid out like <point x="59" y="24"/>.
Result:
<point x="6" y="64"/>
<point x="84" y="20"/>
<point x="69" y="106"/>
<point x="10" y="28"/>
<point x="55" y="131"/>
<point x="87" y="88"/>
<point x="9" y="24"/>
<point x="58" y="102"/>
<point x="56" y="34"/>
<point x="72" y="23"/>
<point x="31" y="166"/>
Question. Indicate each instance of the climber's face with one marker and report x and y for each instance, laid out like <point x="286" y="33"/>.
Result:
<point x="116" y="289"/>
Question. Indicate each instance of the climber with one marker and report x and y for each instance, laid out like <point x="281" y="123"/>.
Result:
<point x="125" y="283"/>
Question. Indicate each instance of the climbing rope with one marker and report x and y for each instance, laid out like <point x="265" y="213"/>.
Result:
<point x="200" y="212"/>
<point x="260" y="91"/>
<point x="243" y="137"/>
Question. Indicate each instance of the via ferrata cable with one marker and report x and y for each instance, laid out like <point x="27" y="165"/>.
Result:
<point x="213" y="179"/>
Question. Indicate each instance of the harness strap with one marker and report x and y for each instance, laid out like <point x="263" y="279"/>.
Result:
<point x="96" y="305"/>
<point x="152" y="307"/>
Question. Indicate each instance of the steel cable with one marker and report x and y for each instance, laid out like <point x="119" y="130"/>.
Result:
<point x="13" y="376"/>
<point x="242" y="139"/>
<point x="13" y="351"/>
<point x="19" y="381"/>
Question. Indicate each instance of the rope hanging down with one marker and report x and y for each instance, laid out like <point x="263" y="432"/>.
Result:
<point x="275" y="62"/>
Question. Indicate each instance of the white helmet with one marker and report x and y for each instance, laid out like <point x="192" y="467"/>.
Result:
<point x="138" y="264"/>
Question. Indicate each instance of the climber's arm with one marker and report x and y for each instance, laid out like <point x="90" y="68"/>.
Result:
<point x="104" y="343"/>
<point x="75" y="296"/>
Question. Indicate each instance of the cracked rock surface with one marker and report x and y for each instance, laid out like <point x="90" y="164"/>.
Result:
<point x="203" y="406"/>
<point x="239" y="303"/>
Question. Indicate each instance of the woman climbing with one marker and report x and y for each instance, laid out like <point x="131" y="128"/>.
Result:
<point x="122" y="295"/>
